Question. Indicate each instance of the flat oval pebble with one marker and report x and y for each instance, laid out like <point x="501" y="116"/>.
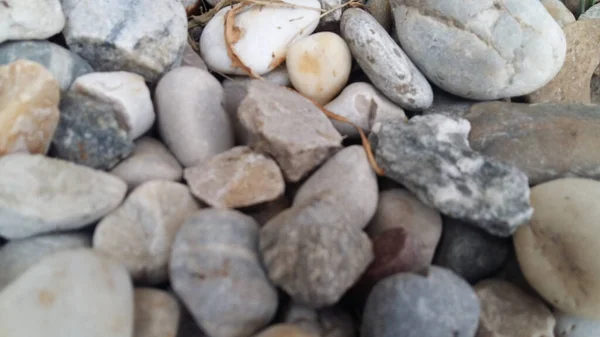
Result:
<point x="157" y="313"/>
<point x="575" y="326"/>
<point x="30" y="19"/>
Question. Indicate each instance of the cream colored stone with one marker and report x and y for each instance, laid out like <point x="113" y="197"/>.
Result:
<point x="157" y="313"/>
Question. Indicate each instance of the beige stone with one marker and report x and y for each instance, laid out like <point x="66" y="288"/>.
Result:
<point x="157" y="313"/>
<point x="285" y="330"/>
<point x="561" y="14"/>
<point x="29" y="98"/>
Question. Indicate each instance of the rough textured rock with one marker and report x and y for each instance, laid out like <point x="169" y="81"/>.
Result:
<point x="29" y="98"/>
<point x="156" y="313"/>
<point x="30" y="19"/>
<point x="561" y="14"/>
<point x="327" y="322"/>
<point x="145" y="37"/>
<point x="284" y="330"/>
<point x="40" y="195"/>
<point x="575" y="326"/>
<point x="430" y="155"/>
<point x="382" y="12"/>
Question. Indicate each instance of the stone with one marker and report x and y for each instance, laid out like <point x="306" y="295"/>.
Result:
<point x="145" y="37"/>
<point x="546" y="141"/>
<point x="363" y="105"/>
<point x="561" y="14"/>
<point x="30" y="19"/>
<point x="434" y="302"/>
<point x="191" y="118"/>
<point x="448" y="104"/>
<point x="29" y="98"/>
<point x="126" y="92"/>
<point x="572" y="83"/>
<point x="562" y="237"/>
<point x="156" y="313"/>
<point x="575" y="326"/>
<point x="191" y="58"/>
<point x="515" y="43"/>
<point x="287" y="126"/>
<point x="150" y="160"/>
<point x="89" y="133"/>
<point x="140" y="233"/>
<point x="64" y="65"/>
<point x="216" y="271"/>
<point x="61" y="294"/>
<point x="40" y="195"/>
<point x="382" y="12"/>
<point x="326" y="322"/>
<point x="384" y="62"/>
<point x="236" y="178"/>
<point x="507" y="311"/>
<point x="319" y="66"/>
<point x="592" y="13"/>
<point x="264" y="212"/>
<point x="431" y="157"/>
<point x="262" y="35"/>
<point x="17" y="256"/>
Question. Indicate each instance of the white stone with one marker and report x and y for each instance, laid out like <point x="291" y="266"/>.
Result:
<point x="575" y="326"/>
<point x="72" y="293"/>
<point x="127" y="92"/>
<point x="265" y="33"/>
<point x="30" y="19"/>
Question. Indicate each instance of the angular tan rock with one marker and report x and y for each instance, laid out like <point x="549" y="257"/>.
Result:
<point x="157" y="313"/>
<point x="29" y="98"/>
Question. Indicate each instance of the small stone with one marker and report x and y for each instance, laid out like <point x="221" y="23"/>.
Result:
<point x="507" y="311"/>
<point x="126" y="92"/>
<point x="140" y="233"/>
<point x="319" y="66"/>
<point x="382" y="12"/>
<point x="30" y="19"/>
<point x="267" y="33"/>
<point x="561" y="14"/>
<point x="156" y="313"/>
<point x="215" y="258"/>
<point x="17" y="256"/>
<point x="29" y="98"/>
<point x="557" y="249"/>
<point x="384" y="62"/>
<point x="64" y="292"/>
<point x="236" y="178"/>
<point x="64" y="65"/>
<point x="145" y="37"/>
<point x="191" y="58"/>
<point x="575" y="326"/>
<point x="592" y="13"/>
<point x="363" y="105"/>
<point x="89" y="134"/>
<point x="287" y="126"/>
<point x="433" y="303"/>
<point x="448" y="105"/>
<point x="284" y="330"/>
<point x="191" y="118"/>
<point x="40" y="195"/>
<point x="430" y="155"/>
<point x="327" y="322"/>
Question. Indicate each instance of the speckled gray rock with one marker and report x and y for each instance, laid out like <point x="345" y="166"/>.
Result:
<point x="433" y="303"/>
<point x="515" y="43"/>
<point x="384" y="62"/>
<point x="146" y="37"/>
<point x="327" y="322"/>
<point x="157" y="313"/>
<point x="39" y="195"/>
<point x="561" y="14"/>
<point x="64" y="65"/>
<point x="592" y="13"/>
<point x="30" y="19"/>
<point x="430" y="155"/>
<point x="575" y="326"/>
<point x="216" y="271"/>
<point x="89" y="134"/>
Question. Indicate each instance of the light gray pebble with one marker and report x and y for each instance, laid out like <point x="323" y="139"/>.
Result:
<point x="30" y="19"/>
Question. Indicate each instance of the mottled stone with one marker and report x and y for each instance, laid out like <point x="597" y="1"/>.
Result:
<point x="156" y="313"/>
<point x="575" y="326"/>
<point x="284" y="330"/>
<point x="430" y="155"/>
<point x="561" y="14"/>
<point x="30" y="19"/>
<point x="382" y="12"/>
<point x="191" y="58"/>
<point x="327" y="322"/>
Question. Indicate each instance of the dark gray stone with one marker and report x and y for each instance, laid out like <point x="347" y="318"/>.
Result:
<point x="430" y="155"/>
<point x="433" y="303"/>
<point x="88" y="133"/>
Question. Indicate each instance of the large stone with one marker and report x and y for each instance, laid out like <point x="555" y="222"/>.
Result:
<point x="157" y="313"/>
<point x="30" y="19"/>
<point x="482" y="50"/>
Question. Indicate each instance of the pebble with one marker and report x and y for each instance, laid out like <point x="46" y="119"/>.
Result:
<point x="126" y="92"/>
<point x="150" y="160"/>
<point x="515" y="44"/>
<point x="363" y="105"/>
<point x="546" y="141"/>
<point x="191" y="119"/>
<point x="156" y="313"/>
<point x="382" y="12"/>
<point x="140" y="233"/>
<point x="561" y="14"/>
<point x="384" y="62"/>
<point x="575" y="326"/>
<point x="430" y="155"/>
<point x="216" y="271"/>
<point x="592" y="13"/>
<point x="236" y="178"/>
<point x="64" y="65"/>
<point x="30" y="19"/>
<point x="435" y="302"/>
<point x="145" y="37"/>
<point x="262" y="35"/>
<point x="557" y="250"/>
<point x="39" y="195"/>
<point x="17" y="256"/>
<point x="284" y="330"/>
<point x="192" y="59"/>
<point x="287" y="126"/>
<point x="76" y="292"/>
<point x="29" y="98"/>
<point x="89" y="133"/>
<point x="327" y="322"/>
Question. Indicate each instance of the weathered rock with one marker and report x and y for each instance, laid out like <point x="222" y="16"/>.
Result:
<point x="191" y="58"/>
<point x="575" y="326"/>
<point x="30" y="19"/>
<point x="156" y="313"/>
<point x="29" y="98"/>
<point x="430" y="155"/>
<point x="41" y="195"/>
<point x="448" y="104"/>
<point x="327" y="322"/>
<point x="284" y="330"/>
<point x="516" y="44"/>
<point x="384" y="62"/>
<point x="382" y="12"/>
<point x="561" y="14"/>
